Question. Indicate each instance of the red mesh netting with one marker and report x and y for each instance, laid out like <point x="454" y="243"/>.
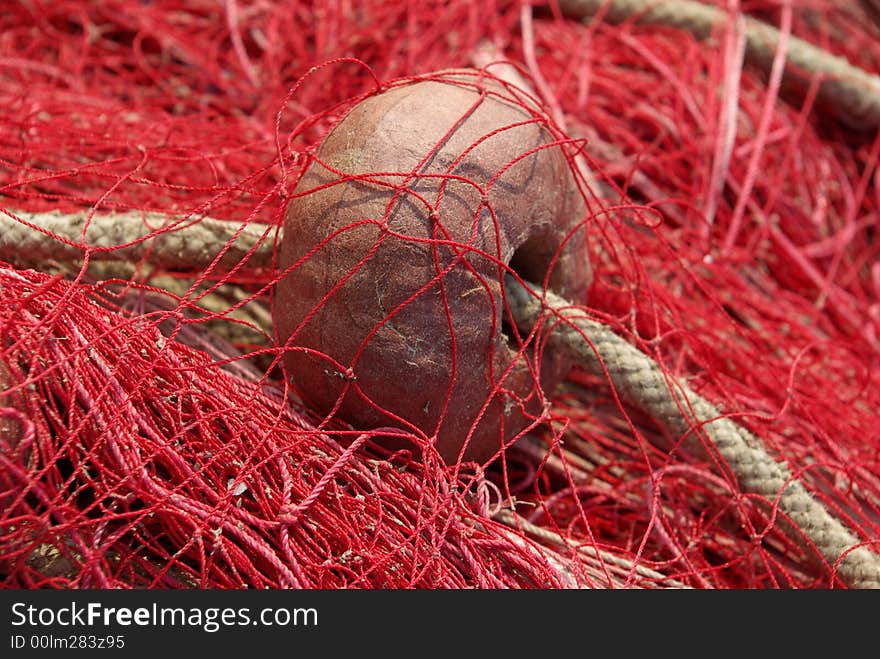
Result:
<point x="156" y="431"/>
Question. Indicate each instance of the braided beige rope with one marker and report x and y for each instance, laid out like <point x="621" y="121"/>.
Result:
<point x="599" y="559"/>
<point x="165" y="242"/>
<point x="642" y="382"/>
<point x="848" y="92"/>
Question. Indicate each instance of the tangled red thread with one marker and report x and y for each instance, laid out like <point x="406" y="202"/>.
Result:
<point x="149" y="438"/>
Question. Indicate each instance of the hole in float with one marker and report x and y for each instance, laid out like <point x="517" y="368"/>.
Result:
<point x="530" y="263"/>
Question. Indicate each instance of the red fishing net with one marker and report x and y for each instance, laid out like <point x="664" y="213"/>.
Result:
<point x="155" y="432"/>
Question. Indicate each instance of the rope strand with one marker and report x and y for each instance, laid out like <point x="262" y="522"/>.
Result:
<point x="847" y="92"/>
<point x="642" y="382"/>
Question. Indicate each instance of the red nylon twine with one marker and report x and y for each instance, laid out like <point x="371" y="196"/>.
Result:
<point x="148" y="438"/>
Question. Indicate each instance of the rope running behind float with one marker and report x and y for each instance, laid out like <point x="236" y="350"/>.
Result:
<point x="636" y="377"/>
<point x="847" y="92"/>
<point x="642" y="382"/>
